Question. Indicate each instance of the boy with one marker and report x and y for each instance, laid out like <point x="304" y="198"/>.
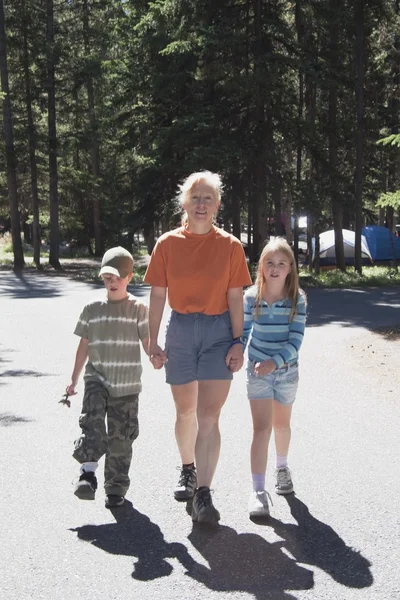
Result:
<point x="110" y="331"/>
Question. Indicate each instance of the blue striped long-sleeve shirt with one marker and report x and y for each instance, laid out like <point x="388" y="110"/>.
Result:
<point x="270" y="334"/>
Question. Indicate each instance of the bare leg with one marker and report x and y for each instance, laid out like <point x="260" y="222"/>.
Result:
<point x="185" y="397"/>
<point x="261" y="411"/>
<point x="281" y="415"/>
<point x="211" y="398"/>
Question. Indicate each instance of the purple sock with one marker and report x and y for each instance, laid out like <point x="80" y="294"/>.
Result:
<point x="258" y="481"/>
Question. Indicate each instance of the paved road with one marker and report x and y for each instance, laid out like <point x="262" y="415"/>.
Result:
<point x="337" y="538"/>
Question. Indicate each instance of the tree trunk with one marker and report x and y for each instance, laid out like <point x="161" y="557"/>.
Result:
<point x="149" y="237"/>
<point x="276" y="182"/>
<point x="299" y="20"/>
<point x="360" y="51"/>
<point x="259" y="215"/>
<point x="335" y="8"/>
<point x="54" y="257"/>
<point x="94" y="146"/>
<point x="236" y="190"/>
<point x="10" y="152"/>
<point x="31" y="142"/>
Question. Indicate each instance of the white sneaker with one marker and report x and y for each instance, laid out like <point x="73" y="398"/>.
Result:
<point x="259" y="504"/>
<point x="284" y="483"/>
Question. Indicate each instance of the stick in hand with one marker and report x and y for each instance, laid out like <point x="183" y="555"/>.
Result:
<point x="65" y="400"/>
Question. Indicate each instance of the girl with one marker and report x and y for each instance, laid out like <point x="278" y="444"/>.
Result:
<point x="274" y="320"/>
<point x="204" y="270"/>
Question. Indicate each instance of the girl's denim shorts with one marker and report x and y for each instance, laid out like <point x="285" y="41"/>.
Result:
<point x="196" y="345"/>
<point x="281" y="384"/>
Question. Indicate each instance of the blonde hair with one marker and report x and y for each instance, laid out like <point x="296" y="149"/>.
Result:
<point x="291" y="288"/>
<point x="207" y="177"/>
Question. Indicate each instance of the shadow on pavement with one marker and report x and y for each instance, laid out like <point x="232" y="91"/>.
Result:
<point x="135" y="535"/>
<point x="139" y="291"/>
<point x="24" y="373"/>
<point x="367" y="307"/>
<point x="6" y="420"/>
<point x="28" y="285"/>
<point x="246" y="563"/>
<point x="33" y="284"/>
<point x="314" y="543"/>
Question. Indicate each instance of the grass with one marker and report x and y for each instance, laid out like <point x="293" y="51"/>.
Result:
<point x="375" y="276"/>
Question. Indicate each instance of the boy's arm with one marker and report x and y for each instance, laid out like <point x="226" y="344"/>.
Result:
<point x="80" y="361"/>
<point x="145" y="345"/>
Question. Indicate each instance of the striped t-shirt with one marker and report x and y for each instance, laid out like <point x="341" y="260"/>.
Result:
<point x="270" y="334"/>
<point x="114" y="330"/>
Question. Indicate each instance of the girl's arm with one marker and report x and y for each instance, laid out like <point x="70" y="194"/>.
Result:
<point x="80" y="361"/>
<point x="290" y="350"/>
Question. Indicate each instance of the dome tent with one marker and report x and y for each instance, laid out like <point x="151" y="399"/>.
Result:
<point x="382" y="243"/>
<point x="327" y="255"/>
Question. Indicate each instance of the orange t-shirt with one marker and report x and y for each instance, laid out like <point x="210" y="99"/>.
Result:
<point x="198" y="270"/>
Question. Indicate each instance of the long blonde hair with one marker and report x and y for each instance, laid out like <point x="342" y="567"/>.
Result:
<point x="207" y="177"/>
<point x="291" y="288"/>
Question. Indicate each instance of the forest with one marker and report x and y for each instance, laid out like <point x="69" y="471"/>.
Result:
<point x="109" y="104"/>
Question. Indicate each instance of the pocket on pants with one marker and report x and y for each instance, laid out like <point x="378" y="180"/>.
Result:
<point x="133" y="430"/>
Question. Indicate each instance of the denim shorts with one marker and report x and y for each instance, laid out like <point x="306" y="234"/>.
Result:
<point x="281" y="384"/>
<point x="196" y="345"/>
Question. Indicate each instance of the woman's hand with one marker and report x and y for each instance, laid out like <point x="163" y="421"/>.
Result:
<point x="234" y="358"/>
<point x="264" y="368"/>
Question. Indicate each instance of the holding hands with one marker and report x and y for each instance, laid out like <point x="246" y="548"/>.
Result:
<point x="234" y="358"/>
<point x="157" y="356"/>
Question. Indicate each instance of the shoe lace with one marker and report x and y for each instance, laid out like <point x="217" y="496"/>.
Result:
<point x="186" y="477"/>
<point x="204" y="498"/>
<point x="265" y="497"/>
<point x="283" y="475"/>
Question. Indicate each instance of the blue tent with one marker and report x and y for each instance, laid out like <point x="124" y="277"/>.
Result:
<point x="382" y="243"/>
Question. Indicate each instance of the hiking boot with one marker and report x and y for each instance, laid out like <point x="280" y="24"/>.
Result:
<point x="203" y="509"/>
<point x="113" y="500"/>
<point x="187" y="484"/>
<point x="259" y="504"/>
<point x="86" y="486"/>
<point x="284" y="483"/>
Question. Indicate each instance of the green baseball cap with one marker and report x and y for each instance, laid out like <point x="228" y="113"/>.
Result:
<point x="117" y="261"/>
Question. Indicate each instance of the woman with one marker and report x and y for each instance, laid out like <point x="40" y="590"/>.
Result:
<point x="204" y="270"/>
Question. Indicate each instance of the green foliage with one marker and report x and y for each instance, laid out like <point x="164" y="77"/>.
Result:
<point x="371" y="276"/>
<point x="391" y="199"/>
<point x="150" y="91"/>
<point x="390" y="140"/>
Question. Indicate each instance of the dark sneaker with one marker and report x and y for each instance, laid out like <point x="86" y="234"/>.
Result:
<point x="203" y="509"/>
<point x="284" y="483"/>
<point x="86" y="486"/>
<point x="186" y="485"/>
<point x="113" y="500"/>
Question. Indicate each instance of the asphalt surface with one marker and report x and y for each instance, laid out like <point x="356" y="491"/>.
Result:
<point x="336" y="538"/>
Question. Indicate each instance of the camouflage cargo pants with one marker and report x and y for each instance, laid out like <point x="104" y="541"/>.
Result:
<point x="115" y="441"/>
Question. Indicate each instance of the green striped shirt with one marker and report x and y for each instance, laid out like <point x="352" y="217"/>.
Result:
<point x="114" y="331"/>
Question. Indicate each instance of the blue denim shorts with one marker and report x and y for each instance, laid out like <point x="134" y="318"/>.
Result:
<point x="281" y="384"/>
<point x="196" y="345"/>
